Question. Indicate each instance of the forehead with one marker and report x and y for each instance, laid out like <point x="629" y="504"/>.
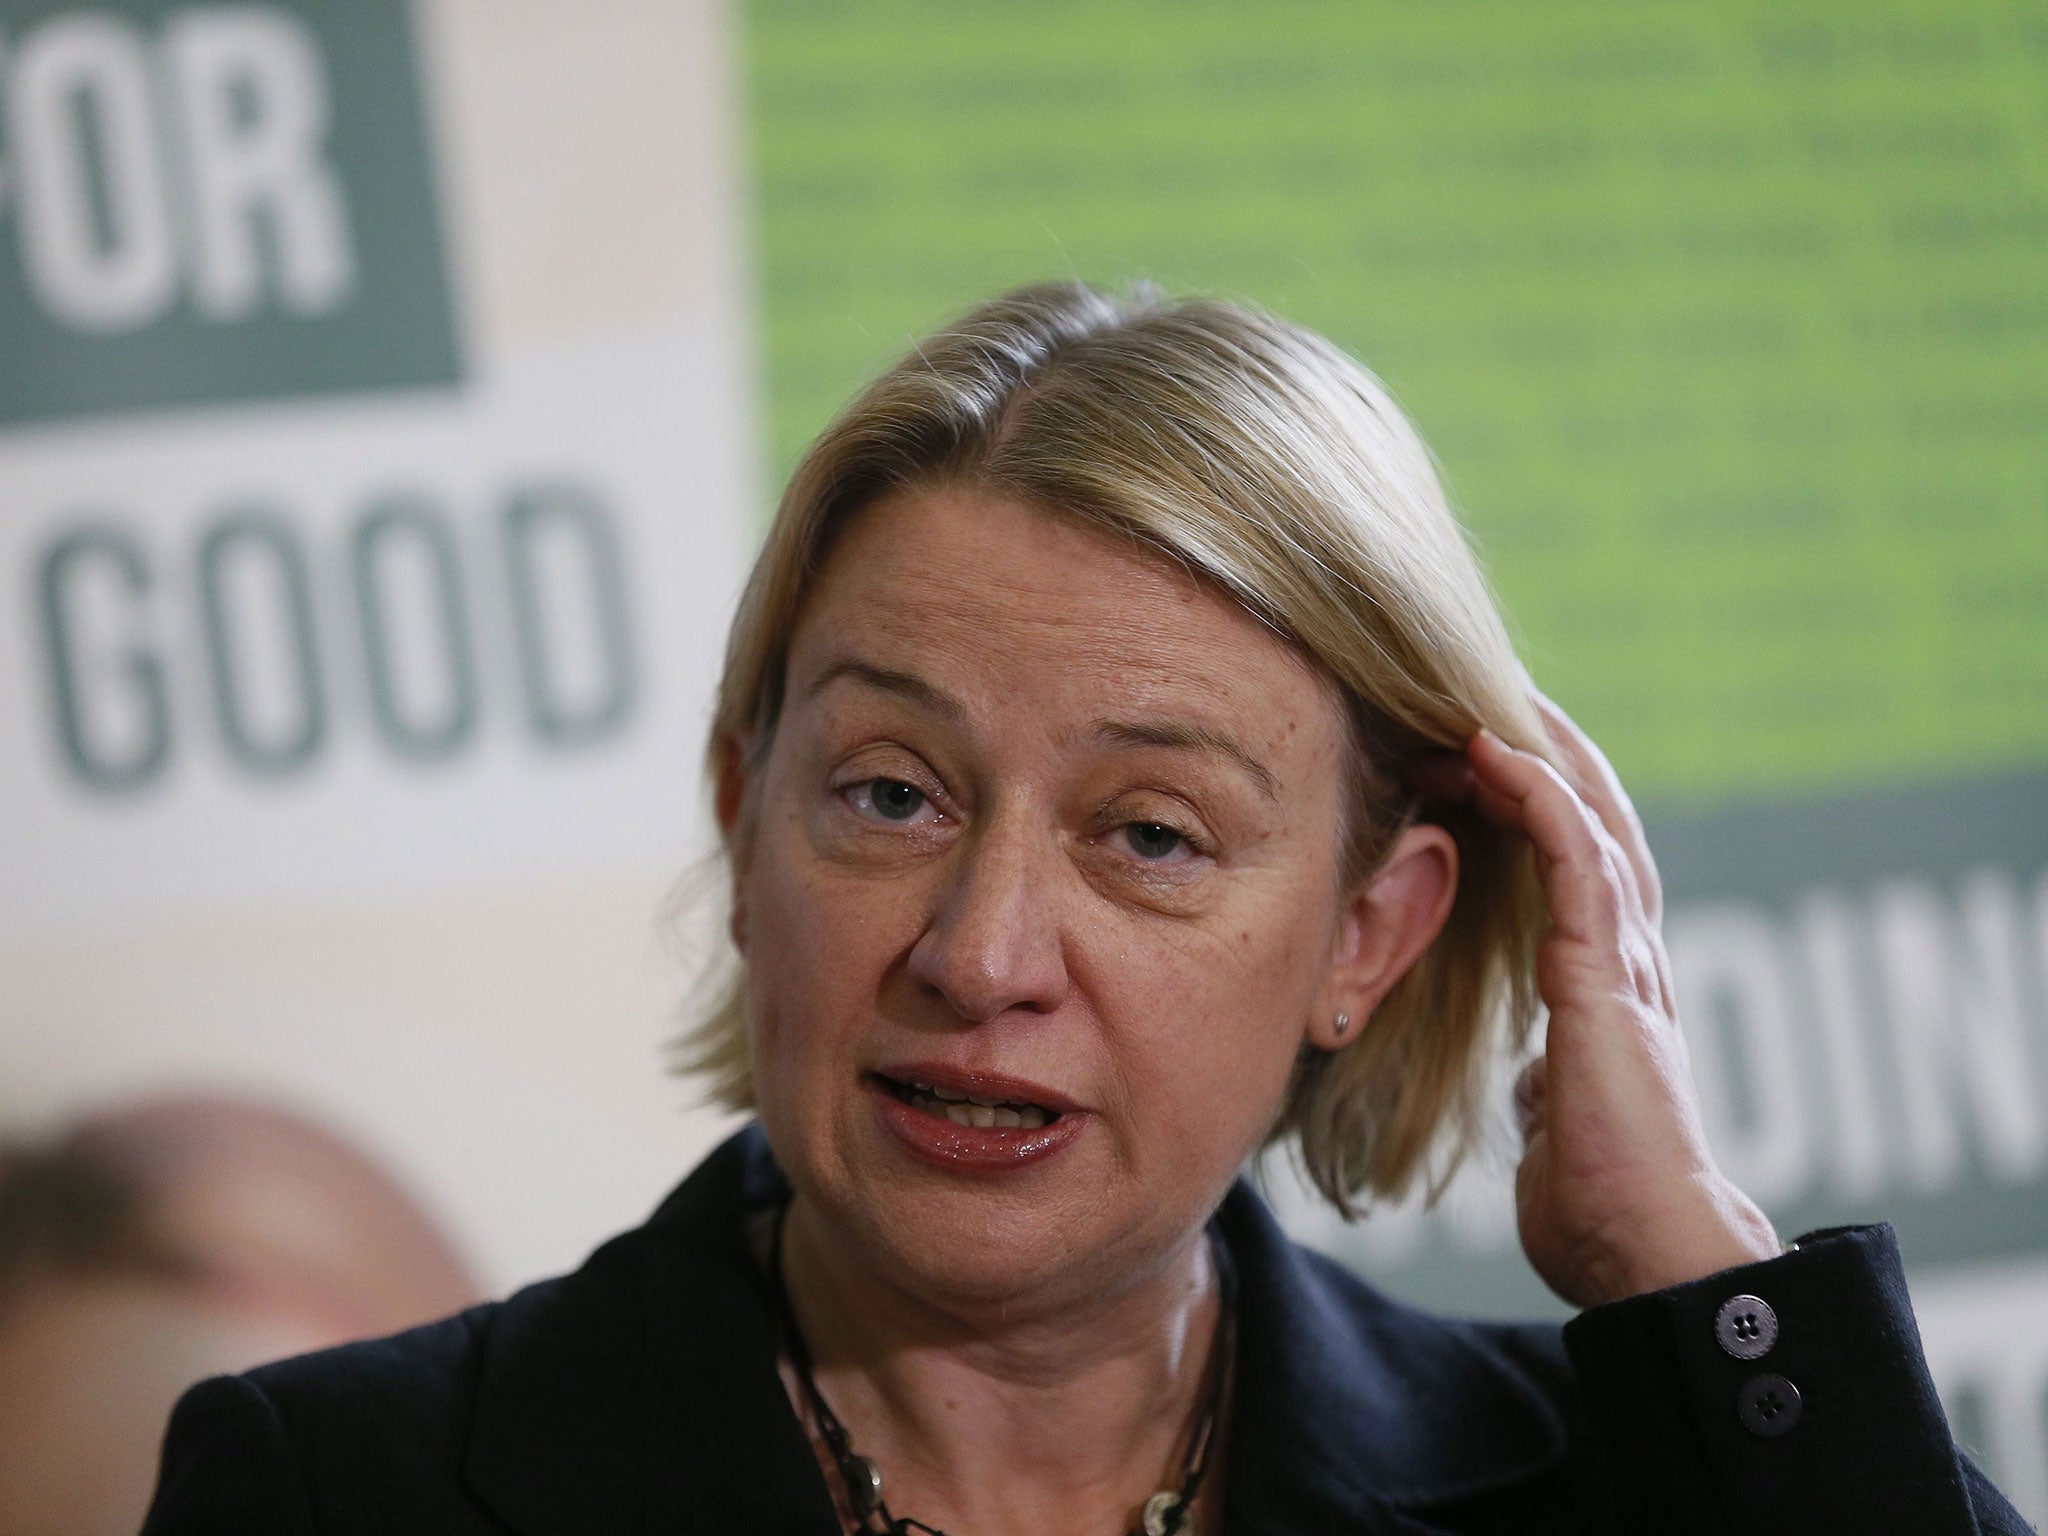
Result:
<point x="1006" y="604"/>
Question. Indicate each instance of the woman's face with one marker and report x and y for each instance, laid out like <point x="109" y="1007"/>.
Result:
<point x="1043" y="822"/>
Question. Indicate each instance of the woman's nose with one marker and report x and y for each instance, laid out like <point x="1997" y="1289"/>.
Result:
<point x="994" y="941"/>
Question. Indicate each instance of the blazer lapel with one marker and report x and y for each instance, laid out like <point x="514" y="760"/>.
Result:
<point x="640" y="1394"/>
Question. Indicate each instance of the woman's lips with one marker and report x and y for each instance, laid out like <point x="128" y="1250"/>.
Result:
<point x="991" y="1149"/>
<point x="954" y="1082"/>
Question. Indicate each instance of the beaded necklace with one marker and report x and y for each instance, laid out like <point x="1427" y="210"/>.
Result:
<point x="1170" y="1512"/>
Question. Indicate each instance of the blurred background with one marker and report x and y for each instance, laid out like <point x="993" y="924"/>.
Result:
<point x="391" y="396"/>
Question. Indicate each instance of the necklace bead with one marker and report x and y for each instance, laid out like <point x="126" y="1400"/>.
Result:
<point x="1166" y="1515"/>
<point x="863" y="1483"/>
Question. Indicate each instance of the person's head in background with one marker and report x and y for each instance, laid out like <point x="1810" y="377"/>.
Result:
<point x="160" y="1242"/>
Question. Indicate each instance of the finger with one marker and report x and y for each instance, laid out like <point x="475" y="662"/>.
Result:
<point x="1449" y="778"/>
<point x="1592" y="773"/>
<point x="1634" y="937"/>
<point x="1585" y="875"/>
<point x="1600" y="786"/>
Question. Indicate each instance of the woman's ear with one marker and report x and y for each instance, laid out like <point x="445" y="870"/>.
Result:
<point x="1388" y="920"/>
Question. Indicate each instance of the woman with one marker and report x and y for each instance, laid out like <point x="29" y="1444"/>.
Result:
<point x="1122" y="767"/>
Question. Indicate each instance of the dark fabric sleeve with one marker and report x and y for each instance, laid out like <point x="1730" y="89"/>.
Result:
<point x="1864" y="1448"/>
<point x="227" y="1468"/>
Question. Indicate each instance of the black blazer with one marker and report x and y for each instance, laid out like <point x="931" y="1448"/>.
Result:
<point x="639" y="1397"/>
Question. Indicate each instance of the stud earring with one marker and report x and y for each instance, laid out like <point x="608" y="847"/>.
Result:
<point x="1343" y="1022"/>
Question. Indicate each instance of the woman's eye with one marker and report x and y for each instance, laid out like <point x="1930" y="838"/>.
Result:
<point x="890" y="799"/>
<point x="1152" y="841"/>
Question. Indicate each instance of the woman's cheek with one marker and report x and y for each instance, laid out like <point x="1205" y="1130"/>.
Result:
<point x="791" y="913"/>
<point x="1265" y="980"/>
<point x="1220" y="1009"/>
<point x="814" y="908"/>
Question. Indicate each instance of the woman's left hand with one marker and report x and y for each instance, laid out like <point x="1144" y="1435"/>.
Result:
<point x="1617" y="1192"/>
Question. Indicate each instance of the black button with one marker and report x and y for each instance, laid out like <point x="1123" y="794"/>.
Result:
<point x="1768" y="1406"/>
<point x="1746" y="1327"/>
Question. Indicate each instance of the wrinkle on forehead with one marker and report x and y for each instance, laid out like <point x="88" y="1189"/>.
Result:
<point x="1027" y="568"/>
<point x="955" y="588"/>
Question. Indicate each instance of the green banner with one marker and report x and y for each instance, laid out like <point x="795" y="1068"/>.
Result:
<point x="1726" y="321"/>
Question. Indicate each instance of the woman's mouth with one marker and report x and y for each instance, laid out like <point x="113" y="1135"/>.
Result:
<point x="972" y="1109"/>
<point x="973" y="1123"/>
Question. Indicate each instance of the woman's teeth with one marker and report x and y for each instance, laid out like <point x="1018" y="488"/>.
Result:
<point x="972" y="1109"/>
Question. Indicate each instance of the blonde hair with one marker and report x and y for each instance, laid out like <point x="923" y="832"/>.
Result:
<point x="1258" y="457"/>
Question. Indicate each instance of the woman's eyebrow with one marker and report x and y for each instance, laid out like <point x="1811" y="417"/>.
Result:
<point x="904" y="685"/>
<point x="1187" y="737"/>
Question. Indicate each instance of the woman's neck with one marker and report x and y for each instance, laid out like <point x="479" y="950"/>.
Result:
<point x="987" y="1417"/>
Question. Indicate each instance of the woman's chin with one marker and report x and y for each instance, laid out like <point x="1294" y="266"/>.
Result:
<point x="975" y="1235"/>
<point x="957" y="1256"/>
